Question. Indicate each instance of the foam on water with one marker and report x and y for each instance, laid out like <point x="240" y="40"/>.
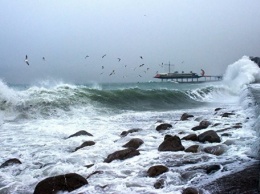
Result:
<point x="55" y="111"/>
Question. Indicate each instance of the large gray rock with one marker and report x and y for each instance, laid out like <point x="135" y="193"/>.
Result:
<point x="164" y="126"/>
<point x="86" y="143"/>
<point x="185" y="116"/>
<point x="79" y="133"/>
<point x="171" y="143"/>
<point x="191" y="190"/>
<point x="10" y="162"/>
<point x="191" y="137"/>
<point x="122" y="155"/>
<point x="66" y="182"/>
<point x="157" y="170"/>
<point x="125" y="133"/>
<point x="134" y="143"/>
<point x="215" y="150"/>
<point x="210" y="136"/>
<point x="192" y="149"/>
<point x="203" y="125"/>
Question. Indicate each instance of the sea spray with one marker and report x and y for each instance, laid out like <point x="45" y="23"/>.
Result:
<point x="242" y="72"/>
<point x="242" y="77"/>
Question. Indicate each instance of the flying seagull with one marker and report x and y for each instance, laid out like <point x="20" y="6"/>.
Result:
<point x="86" y="56"/>
<point x="119" y="59"/>
<point x="141" y="57"/>
<point x="26" y="60"/>
<point x="43" y="58"/>
<point x="113" y="72"/>
<point x="141" y="65"/>
<point x="104" y="55"/>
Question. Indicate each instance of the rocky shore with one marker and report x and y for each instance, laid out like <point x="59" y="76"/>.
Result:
<point x="245" y="181"/>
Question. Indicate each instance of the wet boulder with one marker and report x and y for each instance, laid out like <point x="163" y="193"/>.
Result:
<point x="236" y="126"/>
<point x="191" y="137"/>
<point x="79" y="133"/>
<point x="215" y="150"/>
<point x="196" y="128"/>
<point x="227" y="114"/>
<point x="164" y="126"/>
<point x="86" y="143"/>
<point x="192" y="149"/>
<point x="159" y="184"/>
<point x="209" y="136"/>
<point x="212" y="168"/>
<point x="89" y="165"/>
<point x="66" y="182"/>
<point x="191" y="190"/>
<point x="10" y="162"/>
<point x="203" y="125"/>
<point x="134" y="143"/>
<point x="217" y="109"/>
<point x="122" y="155"/>
<point x="125" y="133"/>
<point x="171" y="143"/>
<point x="157" y="170"/>
<point x="185" y="116"/>
<point x="226" y="135"/>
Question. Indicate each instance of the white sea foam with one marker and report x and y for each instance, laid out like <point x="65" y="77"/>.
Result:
<point x="242" y="72"/>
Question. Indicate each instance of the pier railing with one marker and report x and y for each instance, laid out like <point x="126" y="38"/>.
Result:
<point x="191" y="79"/>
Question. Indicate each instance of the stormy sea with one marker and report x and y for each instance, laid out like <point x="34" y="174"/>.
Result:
<point x="151" y="137"/>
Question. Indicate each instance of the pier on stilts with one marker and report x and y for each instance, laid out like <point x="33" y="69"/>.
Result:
<point x="187" y="77"/>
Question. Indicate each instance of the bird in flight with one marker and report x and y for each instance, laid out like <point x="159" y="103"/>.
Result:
<point x="104" y="55"/>
<point x="119" y="59"/>
<point x="86" y="56"/>
<point x="113" y="72"/>
<point x="26" y="60"/>
<point x="102" y="67"/>
<point x="141" y="65"/>
<point x="43" y="58"/>
<point x="141" y="57"/>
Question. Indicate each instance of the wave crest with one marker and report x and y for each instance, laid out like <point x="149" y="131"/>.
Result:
<point x="241" y="73"/>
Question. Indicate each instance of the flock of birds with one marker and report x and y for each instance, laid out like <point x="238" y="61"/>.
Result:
<point x="26" y="60"/>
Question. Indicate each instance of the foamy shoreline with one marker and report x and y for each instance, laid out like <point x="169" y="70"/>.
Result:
<point x="173" y="160"/>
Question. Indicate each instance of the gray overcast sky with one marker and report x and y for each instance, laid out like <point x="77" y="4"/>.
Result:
<point x="208" y="34"/>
